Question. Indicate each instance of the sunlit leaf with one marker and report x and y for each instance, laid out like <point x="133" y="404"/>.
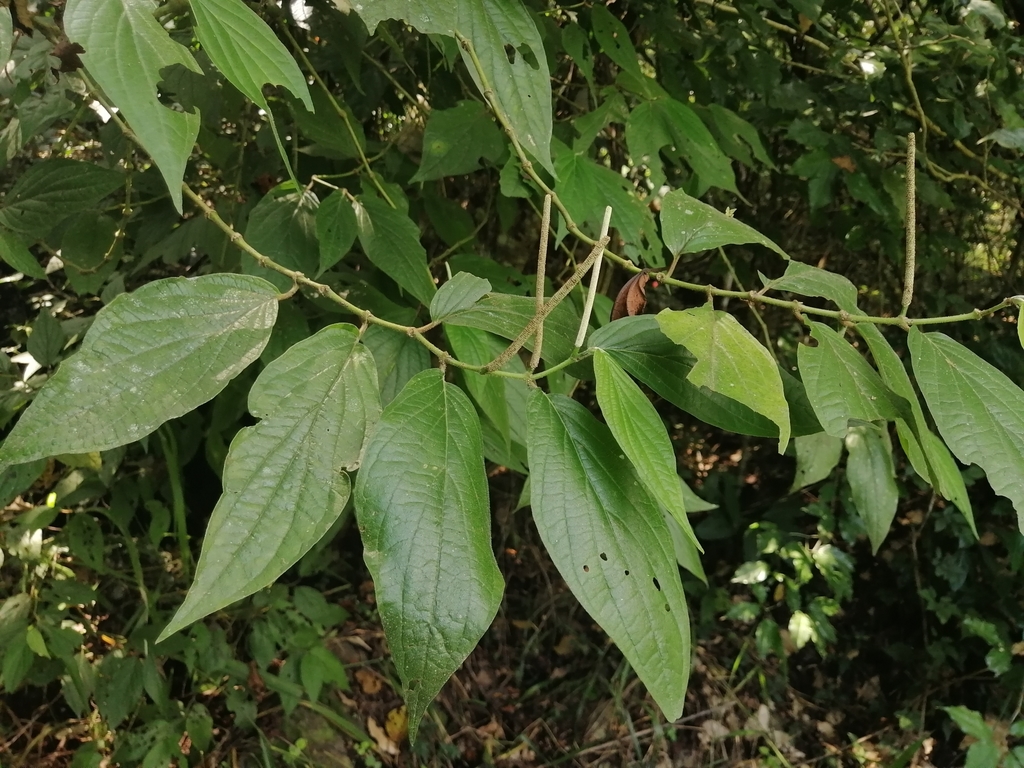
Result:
<point x="816" y="457"/>
<point x="151" y="355"/>
<point x="730" y="362"/>
<point x="927" y="453"/>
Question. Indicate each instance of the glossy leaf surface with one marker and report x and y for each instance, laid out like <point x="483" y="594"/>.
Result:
<point x="151" y="355"/>
<point x="285" y="479"/>
<point x="609" y="540"/>
<point x="422" y="505"/>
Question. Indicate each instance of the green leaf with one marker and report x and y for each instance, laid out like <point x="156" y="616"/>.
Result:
<point x="736" y="135"/>
<point x="476" y="347"/>
<point x="816" y="457"/>
<point x="1017" y="301"/>
<point x="6" y="37"/>
<point x="841" y="385"/>
<point x="50" y="191"/>
<point x="872" y="478"/>
<point x="392" y="241"/>
<point x="639" y="346"/>
<point x="18" y="479"/>
<point x="151" y="355"/>
<point x="461" y="292"/>
<point x="455" y="140"/>
<point x="686" y="553"/>
<point x="47" y="339"/>
<point x="586" y="188"/>
<point x="422" y="506"/>
<point x="641" y="434"/>
<point x="609" y="540"/>
<point x="282" y="226"/>
<point x="246" y="51"/>
<point x="91" y="251"/>
<point x="333" y="136"/>
<point x="665" y="122"/>
<point x="805" y="280"/>
<point x="507" y="315"/>
<point x="970" y="722"/>
<point x="17" y="256"/>
<point x="508" y="46"/>
<point x="927" y="453"/>
<point x="978" y="410"/>
<point x="126" y="50"/>
<point x="613" y="37"/>
<point x="284" y="479"/>
<point x="690" y="226"/>
<point x="730" y="362"/>
<point x="398" y="356"/>
<point x="336" y="229"/>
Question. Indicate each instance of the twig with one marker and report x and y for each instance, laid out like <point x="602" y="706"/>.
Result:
<point x="667" y="279"/>
<point x="531" y="327"/>
<point x="908" y="75"/>
<point x="340" y="112"/>
<point x="588" y="307"/>
<point x="911" y="256"/>
<point x="542" y="262"/>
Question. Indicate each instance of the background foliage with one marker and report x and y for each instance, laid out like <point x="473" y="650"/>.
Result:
<point x="356" y="152"/>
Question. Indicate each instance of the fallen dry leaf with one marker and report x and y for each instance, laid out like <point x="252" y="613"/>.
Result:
<point x="385" y="745"/>
<point x="369" y="681"/>
<point x="397" y="724"/>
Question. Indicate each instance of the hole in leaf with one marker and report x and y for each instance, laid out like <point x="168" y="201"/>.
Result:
<point x="604" y="557"/>
<point x="586" y="569"/>
<point x="626" y="572"/>
<point x="510" y="51"/>
<point x="528" y="56"/>
<point x="657" y="586"/>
